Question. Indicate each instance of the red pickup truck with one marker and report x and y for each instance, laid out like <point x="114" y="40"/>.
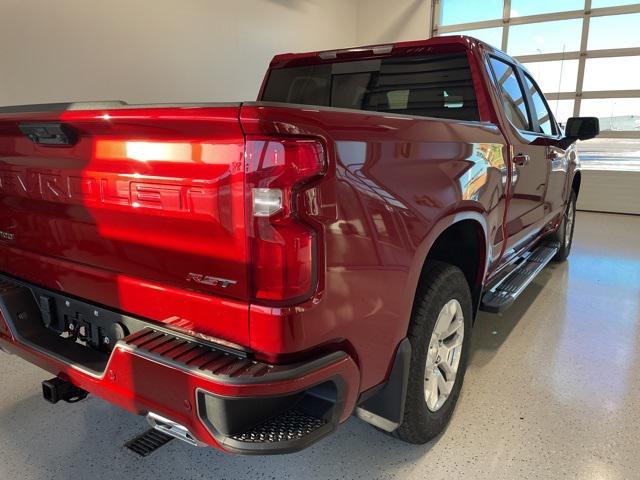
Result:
<point x="250" y="275"/>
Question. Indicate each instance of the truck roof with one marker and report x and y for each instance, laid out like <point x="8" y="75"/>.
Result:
<point x="444" y="43"/>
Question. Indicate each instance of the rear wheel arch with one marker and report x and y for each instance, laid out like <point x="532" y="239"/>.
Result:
<point x="462" y="244"/>
<point x="460" y="241"/>
<point x="426" y="411"/>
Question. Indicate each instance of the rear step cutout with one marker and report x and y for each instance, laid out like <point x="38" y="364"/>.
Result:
<point x="502" y="295"/>
<point x="148" y="442"/>
<point x="288" y="426"/>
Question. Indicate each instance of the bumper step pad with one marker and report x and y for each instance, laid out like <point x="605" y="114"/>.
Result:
<point x="291" y="425"/>
<point x="502" y="295"/>
<point x="148" y="442"/>
<point x="213" y="361"/>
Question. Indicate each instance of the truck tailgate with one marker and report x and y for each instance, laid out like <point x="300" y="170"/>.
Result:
<point x="139" y="195"/>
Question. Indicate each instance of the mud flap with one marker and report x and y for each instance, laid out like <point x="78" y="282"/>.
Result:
<point x="385" y="409"/>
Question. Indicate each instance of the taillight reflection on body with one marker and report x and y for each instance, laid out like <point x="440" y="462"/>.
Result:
<point x="283" y="243"/>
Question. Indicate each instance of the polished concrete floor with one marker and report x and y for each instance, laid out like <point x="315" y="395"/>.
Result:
<point x="552" y="391"/>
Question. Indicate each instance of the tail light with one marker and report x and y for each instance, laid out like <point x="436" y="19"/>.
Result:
<point x="283" y="244"/>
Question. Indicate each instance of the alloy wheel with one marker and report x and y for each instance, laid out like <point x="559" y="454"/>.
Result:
<point x="568" y="224"/>
<point x="443" y="357"/>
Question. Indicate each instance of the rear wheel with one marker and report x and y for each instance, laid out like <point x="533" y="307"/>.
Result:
<point x="440" y="334"/>
<point x="564" y="234"/>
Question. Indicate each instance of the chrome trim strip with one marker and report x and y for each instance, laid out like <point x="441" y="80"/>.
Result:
<point x="376" y="420"/>
<point x="173" y="429"/>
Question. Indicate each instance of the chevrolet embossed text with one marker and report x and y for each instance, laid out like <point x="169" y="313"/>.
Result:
<point x="135" y="191"/>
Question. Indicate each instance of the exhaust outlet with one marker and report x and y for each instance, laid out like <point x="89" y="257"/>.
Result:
<point x="173" y="429"/>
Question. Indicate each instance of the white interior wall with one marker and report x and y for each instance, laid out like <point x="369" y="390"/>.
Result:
<point x="178" y="50"/>
<point x="381" y="21"/>
<point x="157" y="50"/>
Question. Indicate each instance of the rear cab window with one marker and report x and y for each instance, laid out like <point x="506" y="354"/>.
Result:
<point x="436" y="85"/>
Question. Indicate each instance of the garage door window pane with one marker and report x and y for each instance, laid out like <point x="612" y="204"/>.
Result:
<point x="545" y="37"/>
<point x="615" y="31"/>
<point x="615" y="114"/>
<point x="556" y="76"/>
<point x="522" y="8"/>
<point x="562" y="110"/>
<point x="611" y="3"/>
<point x="612" y="74"/>
<point x="467" y="11"/>
<point x="492" y="36"/>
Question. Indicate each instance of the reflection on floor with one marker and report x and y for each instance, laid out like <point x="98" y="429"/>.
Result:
<point x="552" y="390"/>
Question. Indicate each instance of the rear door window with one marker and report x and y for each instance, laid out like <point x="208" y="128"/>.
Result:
<point x="438" y="85"/>
<point x="511" y="94"/>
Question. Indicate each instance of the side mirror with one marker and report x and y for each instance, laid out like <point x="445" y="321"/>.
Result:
<point x="580" y="128"/>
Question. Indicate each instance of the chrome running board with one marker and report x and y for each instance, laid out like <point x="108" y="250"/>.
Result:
<point x="502" y="295"/>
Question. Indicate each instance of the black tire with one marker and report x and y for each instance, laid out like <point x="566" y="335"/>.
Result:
<point x="561" y="234"/>
<point x="442" y="283"/>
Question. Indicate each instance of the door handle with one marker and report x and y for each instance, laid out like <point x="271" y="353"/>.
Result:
<point x="554" y="153"/>
<point x="521" y="159"/>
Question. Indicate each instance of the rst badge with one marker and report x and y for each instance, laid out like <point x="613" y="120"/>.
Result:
<point x="209" y="280"/>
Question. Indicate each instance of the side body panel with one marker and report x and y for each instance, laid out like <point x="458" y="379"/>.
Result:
<point x="394" y="183"/>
